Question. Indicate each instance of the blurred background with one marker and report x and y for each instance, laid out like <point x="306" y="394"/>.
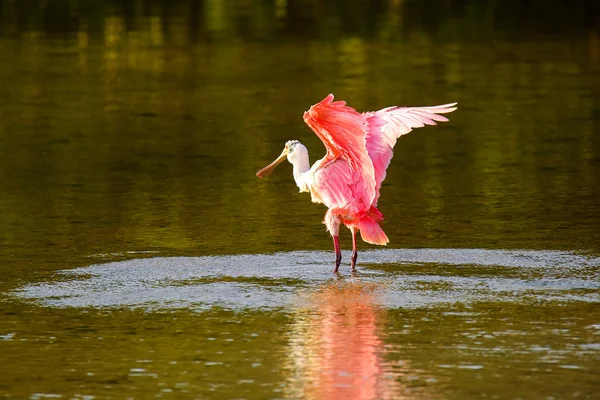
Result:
<point x="134" y="128"/>
<point x="138" y="125"/>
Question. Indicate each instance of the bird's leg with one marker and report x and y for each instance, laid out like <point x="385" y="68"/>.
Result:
<point x="354" y="251"/>
<point x="332" y="221"/>
<point x="338" y="253"/>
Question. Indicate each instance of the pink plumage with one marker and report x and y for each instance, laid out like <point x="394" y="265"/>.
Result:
<point x="359" y="149"/>
<point x="387" y="125"/>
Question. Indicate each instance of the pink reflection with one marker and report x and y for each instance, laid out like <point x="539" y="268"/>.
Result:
<point x="336" y="349"/>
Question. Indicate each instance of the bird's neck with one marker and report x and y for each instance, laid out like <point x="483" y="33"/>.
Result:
<point x="301" y="167"/>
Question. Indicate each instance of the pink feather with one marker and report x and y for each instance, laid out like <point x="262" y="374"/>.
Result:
<point x="359" y="150"/>
<point x="387" y="125"/>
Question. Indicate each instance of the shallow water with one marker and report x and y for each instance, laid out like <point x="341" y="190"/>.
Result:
<point x="415" y="323"/>
<point x="401" y="278"/>
<point x="140" y="257"/>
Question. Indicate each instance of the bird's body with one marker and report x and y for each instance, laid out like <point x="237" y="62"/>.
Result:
<point x="359" y="149"/>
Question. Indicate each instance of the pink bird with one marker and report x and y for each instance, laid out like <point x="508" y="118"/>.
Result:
<point x="359" y="149"/>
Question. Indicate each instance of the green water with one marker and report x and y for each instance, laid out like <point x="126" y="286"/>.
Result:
<point x="140" y="257"/>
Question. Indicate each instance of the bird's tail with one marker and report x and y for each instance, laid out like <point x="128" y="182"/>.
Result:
<point x="370" y="231"/>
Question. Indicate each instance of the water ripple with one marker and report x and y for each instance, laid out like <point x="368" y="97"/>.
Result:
<point x="403" y="278"/>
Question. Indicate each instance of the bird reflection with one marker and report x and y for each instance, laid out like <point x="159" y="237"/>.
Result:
<point x="336" y="351"/>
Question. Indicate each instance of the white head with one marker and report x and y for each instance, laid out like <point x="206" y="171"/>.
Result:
<point x="297" y="153"/>
<point x="294" y="151"/>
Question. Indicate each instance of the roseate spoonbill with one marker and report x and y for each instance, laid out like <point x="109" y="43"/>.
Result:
<point x="359" y="149"/>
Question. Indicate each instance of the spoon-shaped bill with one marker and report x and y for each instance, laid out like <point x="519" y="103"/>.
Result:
<point x="269" y="168"/>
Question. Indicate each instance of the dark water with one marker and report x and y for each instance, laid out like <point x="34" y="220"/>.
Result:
<point x="140" y="257"/>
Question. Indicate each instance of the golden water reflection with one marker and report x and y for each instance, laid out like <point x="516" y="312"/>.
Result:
<point x="337" y="348"/>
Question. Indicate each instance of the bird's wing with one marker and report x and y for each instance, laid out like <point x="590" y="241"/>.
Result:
<point x="387" y="125"/>
<point x="343" y="131"/>
<point x="333" y="186"/>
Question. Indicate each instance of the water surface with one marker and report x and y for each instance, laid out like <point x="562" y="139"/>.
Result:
<point x="140" y="257"/>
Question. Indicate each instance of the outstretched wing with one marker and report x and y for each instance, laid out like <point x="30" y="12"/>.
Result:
<point x="387" y="125"/>
<point x="343" y="131"/>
